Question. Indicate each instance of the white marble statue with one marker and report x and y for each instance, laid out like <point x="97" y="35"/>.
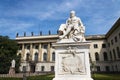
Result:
<point x="13" y="63"/>
<point x="72" y="29"/>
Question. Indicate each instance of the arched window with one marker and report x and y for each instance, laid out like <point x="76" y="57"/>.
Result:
<point x="111" y="55"/>
<point x="105" y="56"/>
<point x="45" y="56"/>
<point x="27" y="56"/>
<point x="53" y="56"/>
<point x="19" y="55"/>
<point x="114" y="53"/>
<point x="90" y="58"/>
<point x="36" y="57"/>
<point x="118" y="52"/>
<point x="96" y="56"/>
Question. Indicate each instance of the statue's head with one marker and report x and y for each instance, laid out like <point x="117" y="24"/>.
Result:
<point x="72" y="14"/>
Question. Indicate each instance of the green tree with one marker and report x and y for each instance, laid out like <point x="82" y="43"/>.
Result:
<point x="8" y="50"/>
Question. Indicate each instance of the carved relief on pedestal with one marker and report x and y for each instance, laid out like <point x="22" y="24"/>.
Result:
<point x="72" y="62"/>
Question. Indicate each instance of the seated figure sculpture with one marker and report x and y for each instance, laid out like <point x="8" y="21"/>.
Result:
<point x="72" y="29"/>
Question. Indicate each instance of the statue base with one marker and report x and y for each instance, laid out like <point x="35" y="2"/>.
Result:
<point x="72" y="61"/>
<point x="12" y="70"/>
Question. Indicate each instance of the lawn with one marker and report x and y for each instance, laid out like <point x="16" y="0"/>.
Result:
<point x="106" y="76"/>
<point x="50" y="77"/>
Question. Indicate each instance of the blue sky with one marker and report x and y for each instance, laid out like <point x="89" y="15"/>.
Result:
<point x="28" y="16"/>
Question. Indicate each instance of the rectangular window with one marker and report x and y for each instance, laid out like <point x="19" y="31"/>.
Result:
<point x="20" y="47"/>
<point x="98" y="68"/>
<point x="119" y="35"/>
<point x="107" y="68"/>
<point x="95" y="46"/>
<point x="118" y="52"/>
<point x="27" y="46"/>
<point x="45" y="46"/>
<point x="112" y="42"/>
<point x="36" y="46"/>
<point x="115" y="38"/>
<point x="108" y="44"/>
<point x="111" y="56"/>
<point x="103" y="45"/>
<point x="52" y="68"/>
<point x="114" y="53"/>
<point x="42" y="68"/>
<point x="24" y="69"/>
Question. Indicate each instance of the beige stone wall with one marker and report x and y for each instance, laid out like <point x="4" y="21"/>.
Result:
<point x="100" y="50"/>
<point x="115" y="44"/>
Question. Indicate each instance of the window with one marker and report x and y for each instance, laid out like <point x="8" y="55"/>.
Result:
<point x="115" y="38"/>
<point x="116" y="67"/>
<point x="114" y="54"/>
<point x="45" y="56"/>
<point x="105" y="56"/>
<point x="95" y="46"/>
<point x="27" y="46"/>
<point x="53" y="56"/>
<point x="45" y="46"/>
<point x="112" y="42"/>
<point x="19" y="55"/>
<point x="108" y="44"/>
<point x="90" y="58"/>
<point x="110" y="55"/>
<point x="36" y="46"/>
<point x="107" y="68"/>
<point x="98" y="68"/>
<point x="103" y="45"/>
<point x="20" y="47"/>
<point x="36" y="57"/>
<point x="24" y="69"/>
<point x="42" y="68"/>
<point x="27" y="56"/>
<point x="118" y="52"/>
<point x="96" y="56"/>
<point x="119" y="35"/>
<point x="52" y="68"/>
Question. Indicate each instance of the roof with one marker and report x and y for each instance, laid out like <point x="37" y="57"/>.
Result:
<point x="113" y="28"/>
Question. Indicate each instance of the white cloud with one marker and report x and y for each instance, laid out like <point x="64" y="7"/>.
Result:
<point x="8" y="26"/>
<point x="99" y="15"/>
<point x="44" y="10"/>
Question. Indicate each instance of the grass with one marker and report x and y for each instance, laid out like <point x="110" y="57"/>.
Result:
<point x="106" y="76"/>
<point x="9" y="78"/>
<point x="51" y="76"/>
<point x="41" y="77"/>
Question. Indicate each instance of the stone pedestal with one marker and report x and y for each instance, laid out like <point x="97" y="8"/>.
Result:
<point x="12" y="70"/>
<point x="72" y="61"/>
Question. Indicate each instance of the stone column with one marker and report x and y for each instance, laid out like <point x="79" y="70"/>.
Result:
<point x="23" y="52"/>
<point x="31" y="51"/>
<point x="48" y="51"/>
<point x="40" y="52"/>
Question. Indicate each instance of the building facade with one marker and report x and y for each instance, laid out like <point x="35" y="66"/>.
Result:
<point x="38" y="55"/>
